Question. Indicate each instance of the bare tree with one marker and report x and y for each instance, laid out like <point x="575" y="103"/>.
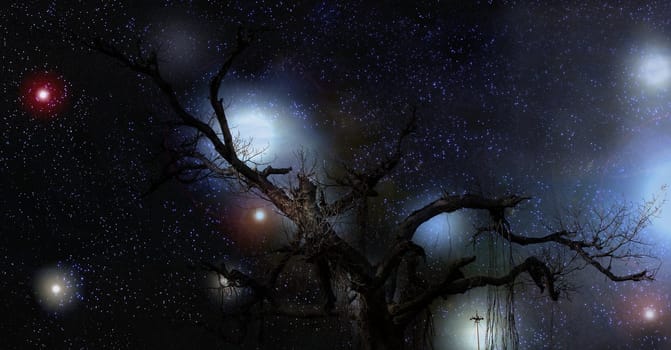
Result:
<point x="386" y="299"/>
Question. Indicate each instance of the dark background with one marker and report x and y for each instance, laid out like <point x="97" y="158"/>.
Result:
<point x="550" y="100"/>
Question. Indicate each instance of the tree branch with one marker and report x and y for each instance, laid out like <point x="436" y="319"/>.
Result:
<point x="148" y="65"/>
<point x="406" y="311"/>
<point x="236" y="278"/>
<point x="243" y="40"/>
<point x="451" y="203"/>
<point x="269" y="170"/>
<point x="455" y="283"/>
<point x="580" y="247"/>
<point x="362" y="184"/>
<point x="538" y="270"/>
<point x="392" y="260"/>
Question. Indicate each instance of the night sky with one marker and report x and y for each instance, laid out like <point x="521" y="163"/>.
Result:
<point x="567" y="103"/>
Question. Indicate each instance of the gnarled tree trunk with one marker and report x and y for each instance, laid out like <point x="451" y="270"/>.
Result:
<point x="377" y="330"/>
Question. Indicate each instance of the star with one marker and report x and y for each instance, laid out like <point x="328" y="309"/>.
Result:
<point x="259" y="215"/>
<point x="55" y="289"/>
<point x="42" y="95"/>
<point x="649" y="314"/>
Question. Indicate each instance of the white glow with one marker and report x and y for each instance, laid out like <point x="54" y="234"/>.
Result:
<point x="654" y="179"/>
<point x="257" y="137"/>
<point x="257" y="128"/>
<point x="655" y="70"/>
<point x="259" y="215"/>
<point x="442" y="237"/>
<point x="223" y="281"/>
<point x="455" y="329"/>
<point x="266" y="129"/>
<point x="55" y="289"/>
<point x="42" y="95"/>
<point x="222" y="292"/>
<point x="649" y="314"/>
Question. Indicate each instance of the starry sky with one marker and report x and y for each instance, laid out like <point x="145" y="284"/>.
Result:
<point x="566" y="102"/>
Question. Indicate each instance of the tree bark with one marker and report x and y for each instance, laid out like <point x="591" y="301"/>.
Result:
<point x="377" y="330"/>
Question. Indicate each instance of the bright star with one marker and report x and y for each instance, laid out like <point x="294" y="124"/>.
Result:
<point x="42" y="95"/>
<point x="649" y="314"/>
<point x="56" y="288"/>
<point x="259" y="215"/>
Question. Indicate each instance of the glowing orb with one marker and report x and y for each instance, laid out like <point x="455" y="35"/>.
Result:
<point x="649" y="314"/>
<point x="43" y="94"/>
<point x="57" y="289"/>
<point x="259" y="215"/>
<point x="655" y="70"/>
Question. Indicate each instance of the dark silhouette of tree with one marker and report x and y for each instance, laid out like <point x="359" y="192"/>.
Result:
<point x="387" y="299"/>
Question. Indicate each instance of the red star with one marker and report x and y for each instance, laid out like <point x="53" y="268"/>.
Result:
<point x="43" y="94"/>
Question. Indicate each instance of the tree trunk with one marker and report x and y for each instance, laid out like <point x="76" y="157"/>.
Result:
<point x="375" y="326"/>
